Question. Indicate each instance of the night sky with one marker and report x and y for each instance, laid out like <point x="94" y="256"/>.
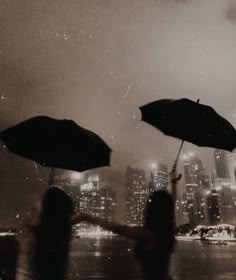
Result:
<point x="96" y="62"/>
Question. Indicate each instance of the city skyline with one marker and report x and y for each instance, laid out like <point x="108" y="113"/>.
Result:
<point x="202" y="199"/>
<point x="96" y="63"/>
<point x="117" y="181"/>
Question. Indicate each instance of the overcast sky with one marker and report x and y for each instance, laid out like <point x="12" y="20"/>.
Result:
<point x="96" y="62"/>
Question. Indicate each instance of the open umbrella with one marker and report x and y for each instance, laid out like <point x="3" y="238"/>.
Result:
<point x="57" y="143"/>
<point x="190" y="121"/>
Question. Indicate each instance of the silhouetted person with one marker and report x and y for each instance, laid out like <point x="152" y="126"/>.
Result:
<point x="154" y="250"/>
<point x="155" y="240"/>
<point x="53" y="235"/>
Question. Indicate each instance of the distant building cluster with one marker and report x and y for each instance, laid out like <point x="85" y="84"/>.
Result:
<point x="209" y="198"/>
<point x="136" y="195"/>
<point x="204" y="197"/>
<point x="89" y="195"/>
<point x="137" y="190"/>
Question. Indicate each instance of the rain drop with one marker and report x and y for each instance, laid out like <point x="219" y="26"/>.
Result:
<point x="3" y="96"/>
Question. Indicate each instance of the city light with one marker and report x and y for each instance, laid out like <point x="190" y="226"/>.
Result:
<point x="93" y="233"/>
<point x="154" y="165"/>
<point x="233" y="187"/>
<point x="76" y="175"/>
<point x="87" y="187"/>
<point x="184" y="157"/>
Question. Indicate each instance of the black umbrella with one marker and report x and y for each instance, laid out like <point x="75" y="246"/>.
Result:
<point x="57" y="143"/>
<point x="190" y="121"/>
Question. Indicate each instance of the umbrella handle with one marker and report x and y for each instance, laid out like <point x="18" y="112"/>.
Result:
<point x="177" y="158"/>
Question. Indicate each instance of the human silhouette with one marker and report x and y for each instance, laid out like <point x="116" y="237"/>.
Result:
<point x="155" y="239"/>
<point x="53" y="235"/>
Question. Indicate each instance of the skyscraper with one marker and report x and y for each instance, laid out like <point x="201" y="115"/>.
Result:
<point x="192" y="170"/>
<point x="213" y="207"/>
<point x="205" y="180"/>
<point x="107" y="203"/>
<point x="136" y="195"/>
<point x="89" y="199"/>
<point x="159" y="177"/>
<point x="225" y="185"/>
<point x="97" y="200"/>
<point x="181" y="214"/>
<point x="193" y="173"/>
<point x="221" y="163"/>
<point x="227" y="201"/>
<point x="232" y="167"/>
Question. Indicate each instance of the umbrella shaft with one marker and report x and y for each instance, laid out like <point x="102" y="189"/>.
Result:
<point x="177" y="158"/>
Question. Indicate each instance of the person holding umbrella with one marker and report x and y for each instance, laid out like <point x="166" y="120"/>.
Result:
<point x="61" y="144"/>
<point x="155" y="239"/>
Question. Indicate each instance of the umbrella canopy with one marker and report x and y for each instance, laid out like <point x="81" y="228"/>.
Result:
<point x="190" y="121"/>
<point x="57" y="143"/>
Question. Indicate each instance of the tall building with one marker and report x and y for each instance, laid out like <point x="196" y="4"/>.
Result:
<point x="136" y="195"/>
<point x="181" y="213"/>
<point x="195" y="181"/>
<point x="213" y="207"/>
<point x="213" y="177"/>
<point x="205" y="180"/>
<point x="193" y="204"/>
<point x="97" y="200"/>
<point x="107" y="203"/>
<point x="159" y="177"/>
<point x="225" y="185"/>
<point x="232" y="167"/>
<point x="221" y="163"/>
<point x="89" y="199"/>
<point x="227" y="201"/>
<point x="192" y="170"/>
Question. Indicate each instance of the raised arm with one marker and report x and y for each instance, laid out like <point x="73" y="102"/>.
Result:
<point x="135" y="233"/>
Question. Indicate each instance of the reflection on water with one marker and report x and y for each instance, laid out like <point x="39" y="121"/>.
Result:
<point x="110" y="258"/>
<point x="113" y="259"/>
<point x="193" y="260"/>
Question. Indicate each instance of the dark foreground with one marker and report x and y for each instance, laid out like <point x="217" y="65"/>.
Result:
<point x="112" y="258"/>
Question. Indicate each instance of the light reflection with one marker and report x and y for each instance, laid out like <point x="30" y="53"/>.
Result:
<point x="97" y="254"/>
<point x="154" y="165"/>
<point x="76" y="175"/>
